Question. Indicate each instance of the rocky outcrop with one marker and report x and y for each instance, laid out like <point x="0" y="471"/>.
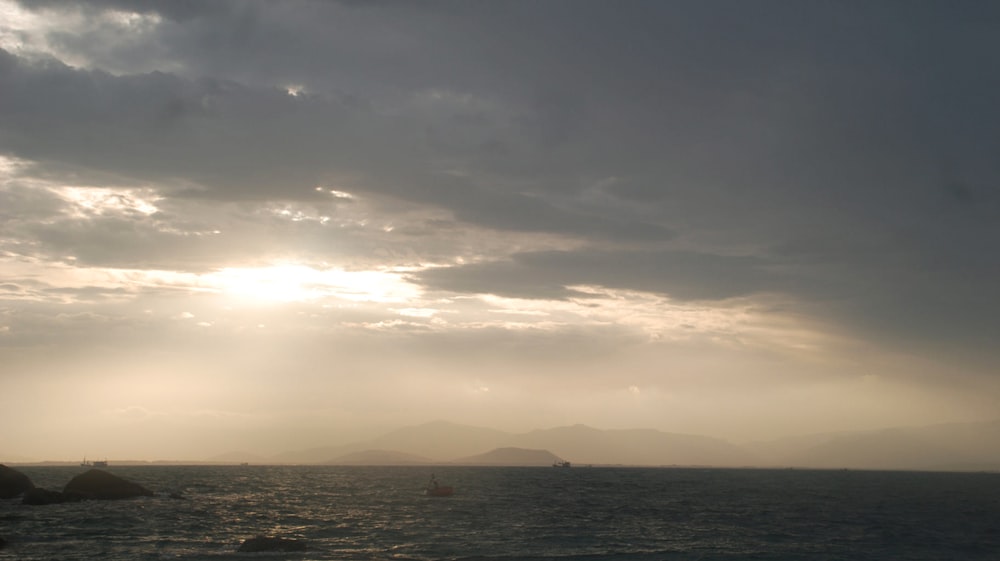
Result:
<point x="99" y="484"/>
<point x="92" y="484"/>
<point x="13" y="482"/>
<point x="39" y="497"/>
<point x="266" y="543"/>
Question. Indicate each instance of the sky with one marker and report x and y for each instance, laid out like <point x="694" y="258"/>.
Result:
<point x="267" y="226"/>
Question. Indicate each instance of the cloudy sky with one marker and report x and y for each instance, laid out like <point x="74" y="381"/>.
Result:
<point x="276" y="225"/>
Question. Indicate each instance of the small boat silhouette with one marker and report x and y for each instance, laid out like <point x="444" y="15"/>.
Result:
<point x="440" y="491"/>
<point x="436" y="490"/>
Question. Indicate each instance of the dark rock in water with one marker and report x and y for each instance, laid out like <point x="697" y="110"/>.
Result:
<point x="266" y="543"/>
<point x="93" y="484"/>
<point x="39" y="496"/>
<point x="13" y="482"/>
<point x="3" y="543"/>
<point x="98" y="484"/>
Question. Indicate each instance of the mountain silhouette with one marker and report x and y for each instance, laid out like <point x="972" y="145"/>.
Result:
<point x="510" y="456"/>
<point x="951" y="446"/>
<point x="441" y="440"/>
<point x="583" y="444"/>
<point x="956" y="446"/>
<point x="379" y="458"/>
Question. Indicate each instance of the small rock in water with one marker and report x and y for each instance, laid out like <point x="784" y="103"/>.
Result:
<point x="267" y="543"/>
<point x="39" y="496"/>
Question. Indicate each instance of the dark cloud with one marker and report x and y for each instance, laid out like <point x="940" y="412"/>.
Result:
<point x="218" y="135"/>
<point x="21" y="203"/>
<point x="841" y="154"/>
<point x="549" y="274"/>
<point x="234" y="142"/>
<point x="179" y="10"/>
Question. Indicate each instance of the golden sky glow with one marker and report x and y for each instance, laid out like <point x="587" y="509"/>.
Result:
<point x="213" y="236"/>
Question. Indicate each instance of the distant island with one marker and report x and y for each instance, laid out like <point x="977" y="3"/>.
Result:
<point x="510" y="456"/>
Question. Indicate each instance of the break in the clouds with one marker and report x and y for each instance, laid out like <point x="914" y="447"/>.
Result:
<point x="720" y="217"/>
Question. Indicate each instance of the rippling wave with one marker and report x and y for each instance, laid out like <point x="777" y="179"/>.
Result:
<point x="592" y="514"/>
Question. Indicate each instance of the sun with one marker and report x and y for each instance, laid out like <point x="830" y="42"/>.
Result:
<point x="300" y="283"/>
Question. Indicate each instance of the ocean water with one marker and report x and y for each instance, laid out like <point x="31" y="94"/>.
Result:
<point x="592" y="514"/>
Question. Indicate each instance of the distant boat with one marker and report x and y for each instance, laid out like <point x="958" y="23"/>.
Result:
<point x="439" y="491"/>
<point x="561" y="464"/>
<point x="433" y="489"/>
<point x="95" y="463"/>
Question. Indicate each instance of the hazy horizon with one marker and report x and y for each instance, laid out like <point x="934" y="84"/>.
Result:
<point x="250" y="225"/>
<point x="940" y="447"/>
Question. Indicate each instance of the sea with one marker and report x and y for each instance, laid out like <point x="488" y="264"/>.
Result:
<point x="516" y="513"/>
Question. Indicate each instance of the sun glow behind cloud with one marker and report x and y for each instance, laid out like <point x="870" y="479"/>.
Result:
<point x="86" y="201"/>
<point x="293" y="282"/>
<point x="280" y="283"/>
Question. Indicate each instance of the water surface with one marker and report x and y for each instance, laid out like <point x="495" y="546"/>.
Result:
<point x="593" y="514"/>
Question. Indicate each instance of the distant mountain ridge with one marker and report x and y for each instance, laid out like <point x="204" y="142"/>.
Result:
<point x="951" y="446"/>
<point x="238" y="457"/>
<point x="583" y="444"/>
<point x="956" y="446"/>
<point x="446" y="442"/>
<point x="379" y="458"/>
<point x="510" y="456"/>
